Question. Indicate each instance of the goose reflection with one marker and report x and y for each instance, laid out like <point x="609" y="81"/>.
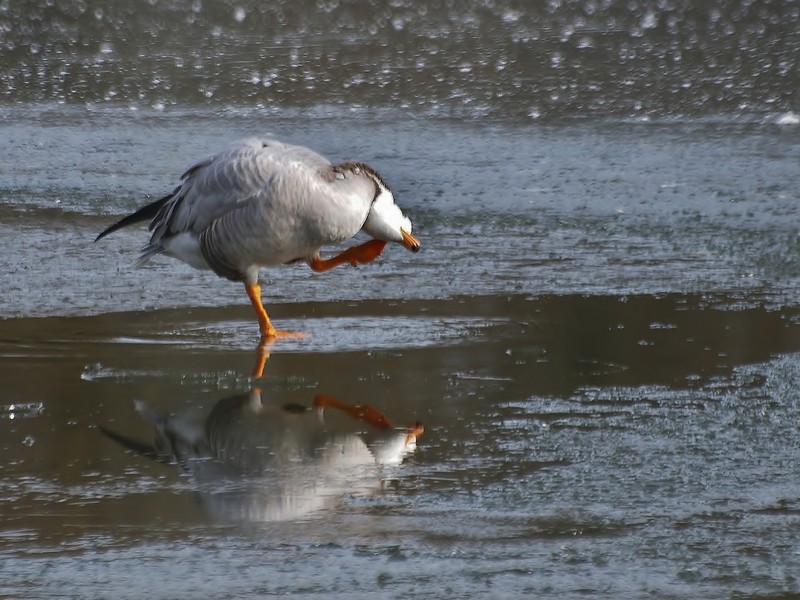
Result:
<point x="254" y="461"/>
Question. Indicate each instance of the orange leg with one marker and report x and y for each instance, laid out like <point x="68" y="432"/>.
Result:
<point x="268" y="332"/>
<point x="367" y="414"/>
<point x="361" y="254"/>
<point x="264" y="324"/>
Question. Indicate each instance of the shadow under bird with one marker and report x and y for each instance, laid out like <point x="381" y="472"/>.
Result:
<point x="262" y="202"/>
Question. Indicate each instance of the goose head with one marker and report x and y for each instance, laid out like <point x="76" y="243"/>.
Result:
<point x="386" y="220"/>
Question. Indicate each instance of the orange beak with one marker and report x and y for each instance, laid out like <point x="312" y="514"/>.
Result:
<point x="409" y="241"/>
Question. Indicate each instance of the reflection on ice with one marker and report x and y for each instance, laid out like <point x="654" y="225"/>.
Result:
<point x="253" y="461"/>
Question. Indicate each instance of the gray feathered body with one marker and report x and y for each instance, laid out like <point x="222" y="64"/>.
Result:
<point x="260" y="203"/>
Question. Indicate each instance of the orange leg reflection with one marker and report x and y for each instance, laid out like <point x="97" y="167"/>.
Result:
<point x="367" y="414"/>
<point x="414" y="432"/>
<point x="262" y="356"/>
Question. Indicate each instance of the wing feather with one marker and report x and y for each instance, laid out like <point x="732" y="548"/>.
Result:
<point x="221" y="183"/>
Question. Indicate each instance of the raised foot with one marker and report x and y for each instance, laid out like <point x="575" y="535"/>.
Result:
<point x="356" y="255"/>
<point x="365" y="253"/>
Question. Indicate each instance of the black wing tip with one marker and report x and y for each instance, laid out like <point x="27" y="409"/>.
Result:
<point x="147" y="212"/>
<point x="106" y="231"/>
<point x="129" y="220"/>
